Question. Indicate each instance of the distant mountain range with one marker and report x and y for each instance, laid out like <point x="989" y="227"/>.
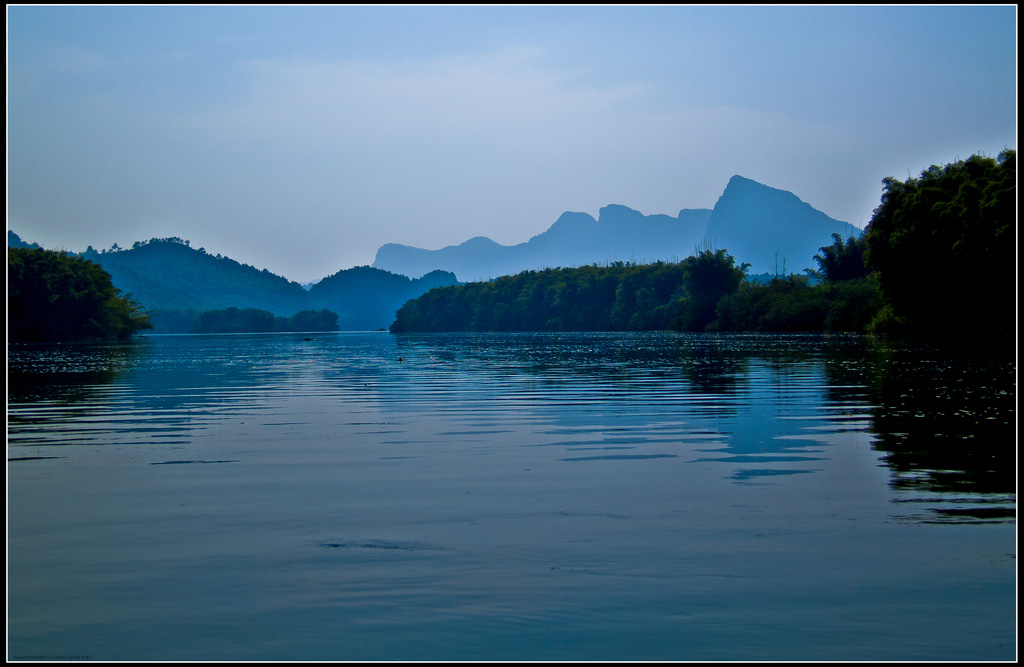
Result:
<point x="772" y="230"/>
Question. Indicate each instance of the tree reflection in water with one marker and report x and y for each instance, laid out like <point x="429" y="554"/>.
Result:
<point x="946" y="425"/>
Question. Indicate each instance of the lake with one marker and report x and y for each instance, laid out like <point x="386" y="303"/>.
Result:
<point x="369" y="496"/>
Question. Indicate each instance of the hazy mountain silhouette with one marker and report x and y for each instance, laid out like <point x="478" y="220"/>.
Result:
<point x="14" y="241"/>
<point x="757" y="224"/>
<point x="772" y="230"/>
<point x="575" y="239"/>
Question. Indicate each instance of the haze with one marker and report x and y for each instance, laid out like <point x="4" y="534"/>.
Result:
<point x="302" y="139"/>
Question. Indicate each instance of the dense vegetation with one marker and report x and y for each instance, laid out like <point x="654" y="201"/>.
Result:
<point x="936" y="263"/>
<point x="840" y="295"/>
<point x="944" y="249"/>
<point x="254" y="320"/>
<point x="54" y="296"/>
<point x="793" y="304"/>
<point x="618" y="297"/>
<point x="705" y="292"/>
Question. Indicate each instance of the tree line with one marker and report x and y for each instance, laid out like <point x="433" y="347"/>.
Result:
<point x="705" y="292"/>
<point x="618" y="297"/>
<point x="255" y="320"/>
<point x="935" y="263"/>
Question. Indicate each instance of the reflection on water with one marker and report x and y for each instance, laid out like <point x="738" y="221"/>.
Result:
<point x="948" y="430"/>
<point x="509" y="496"/>
<point x="946" y="426"/>
<point x="65" y="373"/>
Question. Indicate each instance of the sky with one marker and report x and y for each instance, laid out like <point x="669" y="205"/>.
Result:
<point x="301" y="139"/>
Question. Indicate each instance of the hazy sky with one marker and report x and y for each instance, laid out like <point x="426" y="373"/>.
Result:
<point x="300" y="139"/>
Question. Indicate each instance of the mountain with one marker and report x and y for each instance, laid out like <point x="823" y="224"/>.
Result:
<point x="757" y="224"/>
<point x="772" y="230"/>
<point x="575" y="239"/>
<point x="176" y="282"/>
<point x="14" y="241"/>
<point x="367" y="298"/>
<point x="167" y="274"/>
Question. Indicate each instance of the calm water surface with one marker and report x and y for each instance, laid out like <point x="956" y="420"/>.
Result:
<point x="509" y="497"/>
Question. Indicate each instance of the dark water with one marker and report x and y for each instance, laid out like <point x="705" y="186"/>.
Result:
<point x="509" y="497"/>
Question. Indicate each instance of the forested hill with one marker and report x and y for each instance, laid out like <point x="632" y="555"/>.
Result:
<point x="176" y="282"/>
<point x="367" y="298"/>
<point x="167" y="274"/>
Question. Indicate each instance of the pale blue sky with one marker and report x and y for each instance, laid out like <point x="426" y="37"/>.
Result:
<point x="300" y="139"/>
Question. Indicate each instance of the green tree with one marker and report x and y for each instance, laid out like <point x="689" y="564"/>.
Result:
<point x="943" y="247"/>
<point x="707" y="277"/>
<point x="843" y="260"/>
<point x="54" y="296"/>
